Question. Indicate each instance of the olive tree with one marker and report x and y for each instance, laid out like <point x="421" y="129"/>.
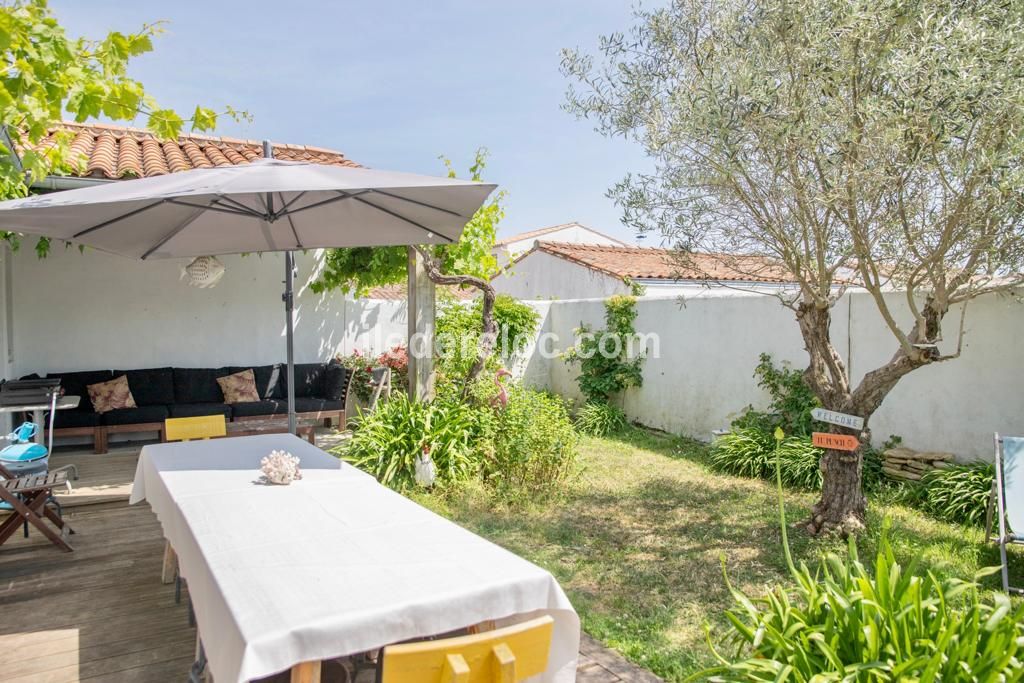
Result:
<point x="867" y="143"/>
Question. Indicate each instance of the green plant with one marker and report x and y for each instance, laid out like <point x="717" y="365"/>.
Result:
<point x="957" y="493"/>
<point x="842" y="623"/>
<point x="387" y="441"/>
<point x="532" y="443"/>
<point x="606" y="365"/>
<point x="459" y="327"/>
<point x="751" y="452"/>
<point x="600" y="419"/>
<point x="845" y="623"/>
<point x="791" y="400"/>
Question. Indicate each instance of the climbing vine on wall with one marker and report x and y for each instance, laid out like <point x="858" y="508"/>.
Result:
<point x="608" y="360"/>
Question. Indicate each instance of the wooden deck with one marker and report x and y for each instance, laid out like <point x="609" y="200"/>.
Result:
<point x="100" y="613"/>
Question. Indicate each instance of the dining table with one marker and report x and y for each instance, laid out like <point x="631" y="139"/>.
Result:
<point x="283" y="577"/>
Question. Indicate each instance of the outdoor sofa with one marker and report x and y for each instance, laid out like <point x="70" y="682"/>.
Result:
<point x="320" y="393"/>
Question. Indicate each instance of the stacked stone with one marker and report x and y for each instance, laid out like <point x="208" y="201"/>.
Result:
<point x="910" y="465"/>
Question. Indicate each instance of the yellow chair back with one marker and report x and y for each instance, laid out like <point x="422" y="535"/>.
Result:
<point x="188" y="428"/>
<point x="506" y="655"/>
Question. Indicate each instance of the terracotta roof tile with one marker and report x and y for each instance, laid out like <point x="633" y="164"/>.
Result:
<point x="105" y="151"/>
<point x="545" y="231"/>
<point x="640" y="263"/>
<point x="398" y="292"/>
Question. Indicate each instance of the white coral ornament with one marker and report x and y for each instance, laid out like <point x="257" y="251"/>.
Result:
<point x="280" y="467"/>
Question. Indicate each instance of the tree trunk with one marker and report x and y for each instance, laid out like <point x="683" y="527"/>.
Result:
<point x="489" y="333"/>
<point x="843" y="505"/>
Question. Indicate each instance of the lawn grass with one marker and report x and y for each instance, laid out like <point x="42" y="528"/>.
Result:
<point x="639" y="538"/>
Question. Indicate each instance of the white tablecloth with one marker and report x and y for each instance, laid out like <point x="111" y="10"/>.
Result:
<point x="331" y="565"/>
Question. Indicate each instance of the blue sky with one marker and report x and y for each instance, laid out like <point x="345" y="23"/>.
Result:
<point x="395" y="84"/>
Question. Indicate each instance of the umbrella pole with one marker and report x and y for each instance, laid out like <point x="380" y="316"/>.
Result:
<point x="289" y="266"/>
<point x="289" y="307"/>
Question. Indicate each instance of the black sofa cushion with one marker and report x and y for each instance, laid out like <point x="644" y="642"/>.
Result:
<point x="334" y="381"/>
<point x="68" y="419"/>
<point x="134" y="416"/>
<point x="198" y="385"/>
<point x="308" y="379"/>
<point x="197" y="409"/>
<point x="150" y="387"/>
<point x="332" y="405"/>
<point x="268" y="379"/>
<point x="269" y="407"/>
<point x="306" y="404"/>
<point x="75" y="383"/>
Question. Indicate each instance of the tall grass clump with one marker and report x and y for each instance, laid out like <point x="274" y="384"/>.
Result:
<point x="600" y="419"/>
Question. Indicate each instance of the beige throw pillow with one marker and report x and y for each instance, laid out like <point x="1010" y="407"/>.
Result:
<point x="239" y="387"/>
<point x="107" y="396"/>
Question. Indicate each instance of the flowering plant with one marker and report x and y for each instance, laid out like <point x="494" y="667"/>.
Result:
<point x="362" y="364"/>
<point x="280" y="467"/>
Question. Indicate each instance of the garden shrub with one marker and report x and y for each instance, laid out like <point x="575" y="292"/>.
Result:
<point x="606" y="366"/>
<point x="387" y="441"/>
<point x="600" y="419"/>
<point x="958" y="493"/>
<point x="459" y="327"/>
<point x="532" y="444"/>
<point x="750" y="452"/>
<point x="843" y="622"/>
<point x="791" y="401"/>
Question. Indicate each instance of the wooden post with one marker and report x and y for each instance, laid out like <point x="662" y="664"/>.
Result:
<point x="307" y="672"/>
<point x="170" y="564"/>
<point x="421" y="330"/>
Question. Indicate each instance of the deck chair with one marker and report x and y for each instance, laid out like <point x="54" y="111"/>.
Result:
<point x="1007" y="501"/>
<point x="506" y="655"/>
<point x="381" y="380"/>
<point x="30" y="499"/>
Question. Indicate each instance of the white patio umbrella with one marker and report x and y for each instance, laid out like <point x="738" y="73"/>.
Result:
<point x="265" y="205"/>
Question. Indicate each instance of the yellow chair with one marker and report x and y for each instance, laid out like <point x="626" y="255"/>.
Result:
<point x="189" y="428"/>
<point x="506" y="655"/>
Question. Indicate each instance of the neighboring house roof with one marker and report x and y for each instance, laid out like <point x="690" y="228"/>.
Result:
<point x="398" y="292"/>
<point x="554" y="228"/>
<point x="100" y="150"/>
<point x="643" y="263"/>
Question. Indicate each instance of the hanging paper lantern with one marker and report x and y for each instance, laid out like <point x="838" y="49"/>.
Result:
<point x="204" y="271"/>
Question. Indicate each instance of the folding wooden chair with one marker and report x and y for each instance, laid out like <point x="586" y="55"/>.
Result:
<point x="29" y="498"/>
<point x="506" y="655"/>
<point x="1007" y="500"/>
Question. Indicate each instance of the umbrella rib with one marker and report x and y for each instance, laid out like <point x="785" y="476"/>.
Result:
<point x="295" y="232"/>
<point x="403" y="218"/>
<point x="419" y="203"/>
<point x="284" y="206"/>
<point x="212" y="207"/>
<point x="200" y="210"/>
<point x="249" y="210"/>
<point x="117" y="218"/>
<point x="343" y="195"/>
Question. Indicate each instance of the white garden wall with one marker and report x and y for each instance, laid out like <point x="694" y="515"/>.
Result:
<point x="709" y="347"/>
<point x="74" y="311"/>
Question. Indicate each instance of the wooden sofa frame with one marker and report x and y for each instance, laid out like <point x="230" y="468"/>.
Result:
<point x="100" y="434"/>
